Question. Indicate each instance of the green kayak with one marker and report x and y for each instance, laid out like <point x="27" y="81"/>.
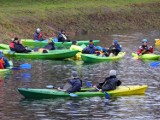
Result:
<point x="32" y="43"/>
<point x="51" y="55"/>
<point x="53" y="93"/>
<point x="4" y="46"/>
<point x="146" y="56"/>
<point x="91" y="58"/>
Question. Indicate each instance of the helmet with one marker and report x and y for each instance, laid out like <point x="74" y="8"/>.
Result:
<point x="144" y="40"/>
<point x="115" y="41"/>
<point x="112" y="72"/>
<point x="38" y="30"/>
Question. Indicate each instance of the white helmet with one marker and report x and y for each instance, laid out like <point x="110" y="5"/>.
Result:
<point x="38" y="30"/>
<point x="112" y="72"/>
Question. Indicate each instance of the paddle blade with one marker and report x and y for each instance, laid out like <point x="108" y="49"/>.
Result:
<point x="49" y="86"/>
<point x="73" y="95"/>
<point x="88" y="83"/>
<point x="154" y="64"/>
<point x="25" y="66"/>
<point x="107" y="96"/>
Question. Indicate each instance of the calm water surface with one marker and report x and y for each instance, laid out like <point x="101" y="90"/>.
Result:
<point x="131" y="72"/>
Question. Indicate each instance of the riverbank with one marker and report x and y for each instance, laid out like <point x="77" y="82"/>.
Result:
<point x="20" y="18"/>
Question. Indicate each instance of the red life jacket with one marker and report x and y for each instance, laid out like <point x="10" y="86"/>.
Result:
<point x="39" y="36"/>
<point x="1" y="63"/>
<point x="11" y="45"/>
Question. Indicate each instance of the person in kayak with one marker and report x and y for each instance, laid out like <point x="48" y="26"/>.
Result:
<point x="4" y="63"/>
<point x="45" y="49"/>
<point x="74" y="46"/>
<point x="90" y="49"/>
<point x="144" y="48"/>
<point x="72" y="85"/>
<point x="62" y="37"/>
<point x="114" y="49"/>
<point x="18" y="47"/>
<point x="110" y="83"/>
<point x="38" y="35"/>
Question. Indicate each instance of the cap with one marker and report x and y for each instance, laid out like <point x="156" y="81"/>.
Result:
<point x="74" y="42"/>
<point x="112" y="72"/>
<point x="74" y="74"/>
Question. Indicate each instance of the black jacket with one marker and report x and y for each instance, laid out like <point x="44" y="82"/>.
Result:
<point x="110" y="83"/>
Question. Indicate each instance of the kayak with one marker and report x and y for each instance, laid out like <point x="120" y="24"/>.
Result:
<point x="157" y="41"/>
<point x="51" y="55"/>
<point x="53" y="93"/>
<point x="32" y="43"/>
<point x="146" y="56"/>
<point x="90" y="58"/>
<point x="7" y="69"/>
<point x="4" y="46"/>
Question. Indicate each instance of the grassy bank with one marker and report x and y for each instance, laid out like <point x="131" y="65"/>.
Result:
<point x="21" y="17"/>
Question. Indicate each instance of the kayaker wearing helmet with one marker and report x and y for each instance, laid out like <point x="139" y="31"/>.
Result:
<point x="110" y="83"/>
<point x="62" y="37"/>
<point x="144" y="49"/>
<point x="72" y="85"/>
<point x="37" y="35"/>
<point x="90" y="49"/>
<point x="115" y="48"/>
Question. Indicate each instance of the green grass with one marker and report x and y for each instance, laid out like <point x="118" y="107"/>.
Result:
<point x="23" y="16"/>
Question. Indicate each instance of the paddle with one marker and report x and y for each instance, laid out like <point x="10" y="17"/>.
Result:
<point x="89" y="84"/>
<point x="70" y="94"/>
<point x="22" y="66"/>
<point x="154" y="64"/>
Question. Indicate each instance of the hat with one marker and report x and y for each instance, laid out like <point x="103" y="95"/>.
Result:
<point x="16" y="38"/>
<point x="144" y="40"/>
<point x="112" y="72"/>
<point x="74" y="74"/>
<point x="90" y="41"/>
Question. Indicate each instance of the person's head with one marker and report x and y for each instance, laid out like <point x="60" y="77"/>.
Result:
<point x="74" y="74"/>
<point x="144" y="42"/>
<point x="15" y="39"/>
<point x="74" y="42"/>
<point x="63" y="32"/>
<point x="38" y="30"/>
<point x="90" y="41"/>
<point x="44" y="51"/>
<point x="115" y="42"/>
<point x="112" y="73"/>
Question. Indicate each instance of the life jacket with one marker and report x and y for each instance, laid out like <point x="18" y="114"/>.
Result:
<point x="39" y="36"/>
<point x="11" y="45"/>
<point x="1" y="63"/>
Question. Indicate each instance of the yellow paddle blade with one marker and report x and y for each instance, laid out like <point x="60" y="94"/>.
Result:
<point x="136" y="57"/>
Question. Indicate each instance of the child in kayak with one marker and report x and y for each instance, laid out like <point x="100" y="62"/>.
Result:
<point x="110" y="83"/>
<point x="72" y="85"/>
<point x="144" y="48"/>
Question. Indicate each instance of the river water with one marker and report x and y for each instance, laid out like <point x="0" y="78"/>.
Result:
<point x="45" y="72"/>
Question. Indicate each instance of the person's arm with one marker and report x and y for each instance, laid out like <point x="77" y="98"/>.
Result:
<point x="35" y="36"/>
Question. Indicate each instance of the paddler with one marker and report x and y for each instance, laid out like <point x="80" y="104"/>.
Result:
<point x="144" y="48"/>
<point x="38" y="35"/>
<point x="62" y="37"/>
<point x="3" y="61"/>
<point x="73" y="85"/>
<point x="110" y="83"/>
<point x="90" y="49"/>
